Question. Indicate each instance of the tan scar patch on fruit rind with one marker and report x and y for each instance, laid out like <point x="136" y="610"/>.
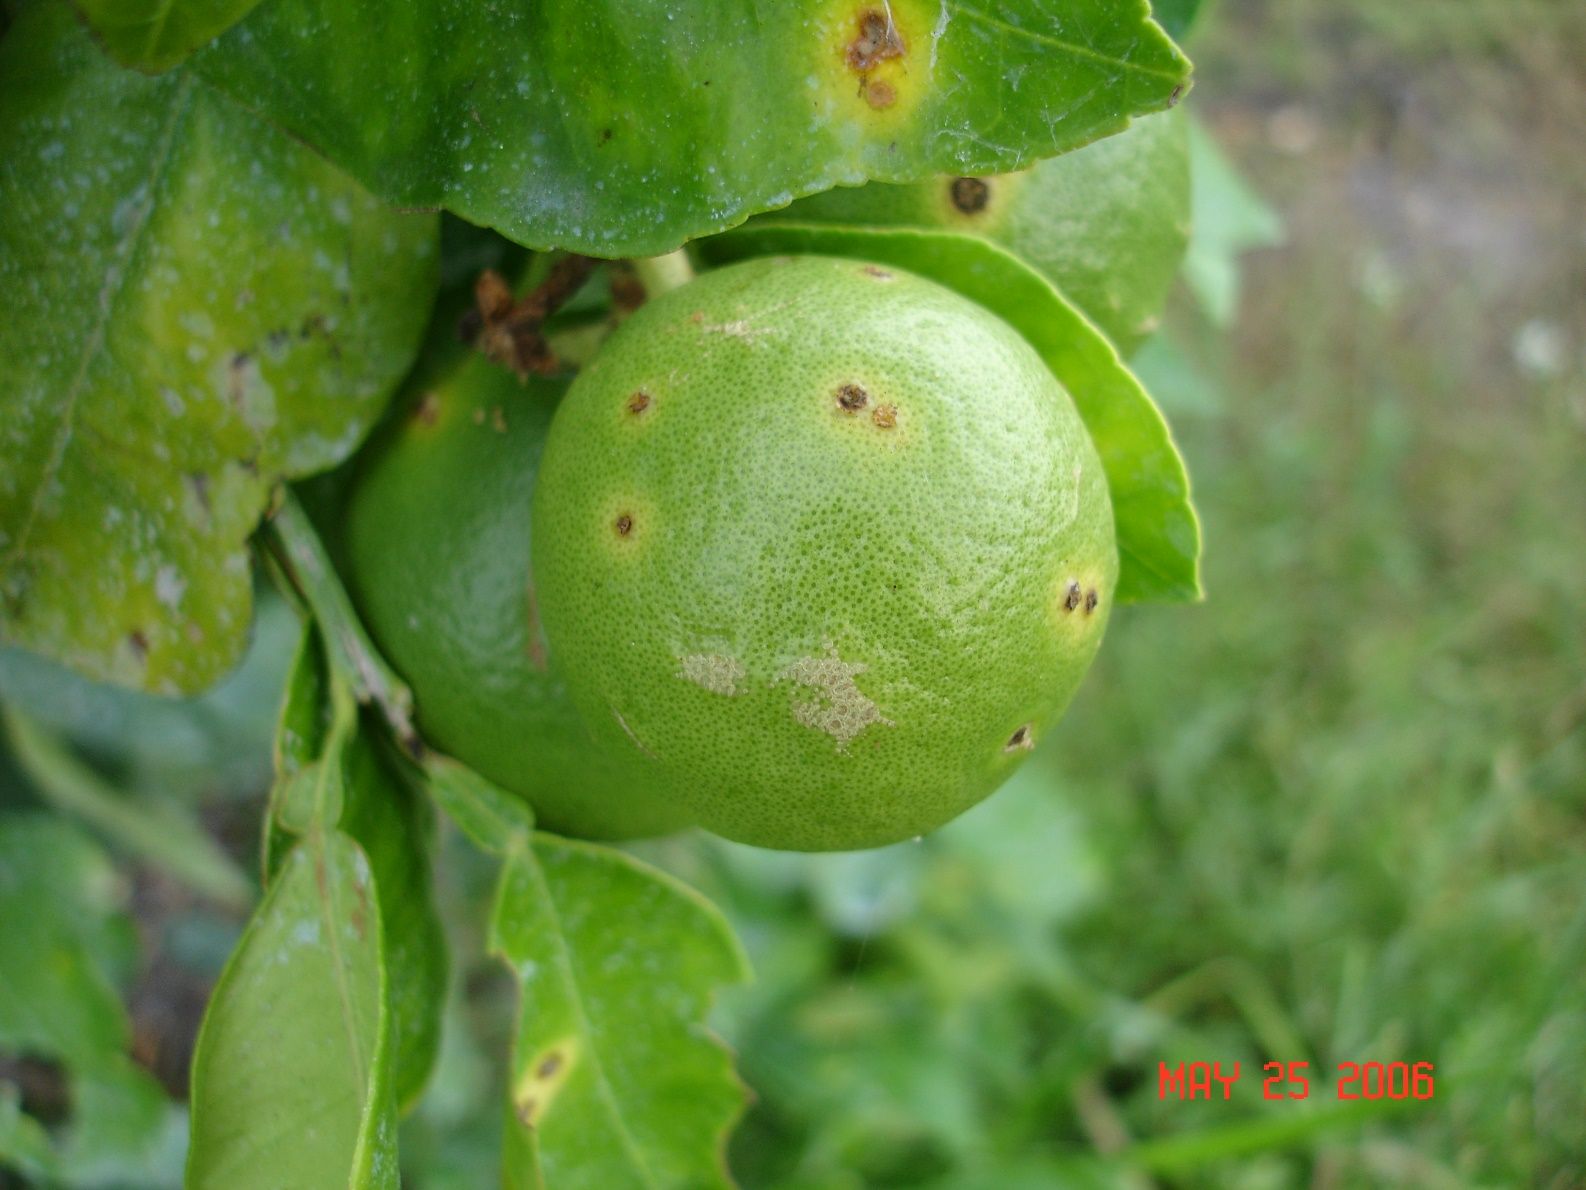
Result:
<point x="874" y="60"/>
<point x="541" y="1079"/>
<point x="835" y="703"/>
<point x="712" y="671"/>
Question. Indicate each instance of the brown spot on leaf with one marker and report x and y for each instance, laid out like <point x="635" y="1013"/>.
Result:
<point x="969" y="195"/>
<point x="528" y="1109"/>
<point x="639" y="402"/>
<point x="1091" y="600"/>
<point x="851" y="398"/>
<point x="877" y="41"/>
<point x="1022" y="740"/>
<point x="879" y="95"/>
<point x="624" y="525"/>
<point x="549" y="1065"/>
<point x="885" y="416"/>
<point x="1071" y="600"/>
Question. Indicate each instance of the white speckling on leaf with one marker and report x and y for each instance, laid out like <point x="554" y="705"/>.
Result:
<point x="169" y="587"/>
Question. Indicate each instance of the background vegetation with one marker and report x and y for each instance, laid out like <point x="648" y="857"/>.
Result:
<point x="1338" y="812"/>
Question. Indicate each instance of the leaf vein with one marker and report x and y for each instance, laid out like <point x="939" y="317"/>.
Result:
<point x="565" y="961"/>
<point x="1059" y="43"/>
<point x="114" y="284"/>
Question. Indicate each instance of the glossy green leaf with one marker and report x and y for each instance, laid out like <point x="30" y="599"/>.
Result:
<point x="493" y="819"/>
<point x="1106" y="224"/>
<point x="1230" y="220"/>
<point x="395" y="826"/>
<point x="1158" y="531"/>
<point x="292" y="1078"/>
<point x="300" y="739"/>
<point x="614" y="1081"/>
<point x="158" y="34"/>
<point x="196" y="307"/>
<point x="620" y="129"/>
<point x="332" y="772"/>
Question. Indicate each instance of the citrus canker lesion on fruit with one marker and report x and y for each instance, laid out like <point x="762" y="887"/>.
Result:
<point x="626" y="522"/>
<point x="882" y="601"/>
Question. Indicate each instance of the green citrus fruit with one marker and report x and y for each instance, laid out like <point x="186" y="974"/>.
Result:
<point x="825" y="546"/>
<point x="1106" y="224"/>
<point x="437" y="547"/>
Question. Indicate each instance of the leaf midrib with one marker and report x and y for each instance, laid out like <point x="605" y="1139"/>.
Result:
<point x="115" y="284"/>
<point x="1067" y="46"/>
<point x="565" y="962"/>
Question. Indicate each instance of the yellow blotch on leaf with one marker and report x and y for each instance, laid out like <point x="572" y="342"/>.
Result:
<point x="873" y="60"/>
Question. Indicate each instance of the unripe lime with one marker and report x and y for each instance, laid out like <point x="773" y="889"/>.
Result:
<point x="1106" y="224"/>
<point x="825" y="546"/>
<point x="437" y="547"/>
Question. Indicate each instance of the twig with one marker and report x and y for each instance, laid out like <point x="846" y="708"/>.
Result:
<point x="662" y="274"/>
<point x="298" y="551"/>
<point x="512" y="333"/>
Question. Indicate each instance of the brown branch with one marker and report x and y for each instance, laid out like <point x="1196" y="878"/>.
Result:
<point x="512" y="333"/>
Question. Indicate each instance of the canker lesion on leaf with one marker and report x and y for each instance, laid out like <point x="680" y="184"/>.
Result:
<point x="542" y="1078"/>
<point x="875" y="57"/>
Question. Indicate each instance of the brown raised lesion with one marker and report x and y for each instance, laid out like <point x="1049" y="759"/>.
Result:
<point x="877" y="40"/>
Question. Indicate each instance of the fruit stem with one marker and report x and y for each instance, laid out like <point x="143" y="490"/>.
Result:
<point x="662" y="274"/>
<point x="297" y="550"/>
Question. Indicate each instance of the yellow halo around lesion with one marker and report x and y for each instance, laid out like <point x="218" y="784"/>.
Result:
<point x="872" y="60"/>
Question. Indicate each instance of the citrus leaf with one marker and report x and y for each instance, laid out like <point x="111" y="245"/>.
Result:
<point x="155" y="830"/>
<point x="158" y="34"/>
<point x="332" y="772"/>
<point x="493" y="819"/>
<point x="1106" y="224"/>
<point x="1158" y="531"/>
<point x="63" y="940"/>
<point x="300" y="740"/>
<point x="292" y="1078"/>
<point x="1230" y="220"/>
<point x="395" y="826"/>
<point x="196" y="307"/>
<point x="614" y="1081"/>
<point x="60" y="921"/>
<point x="620" y="129"/>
